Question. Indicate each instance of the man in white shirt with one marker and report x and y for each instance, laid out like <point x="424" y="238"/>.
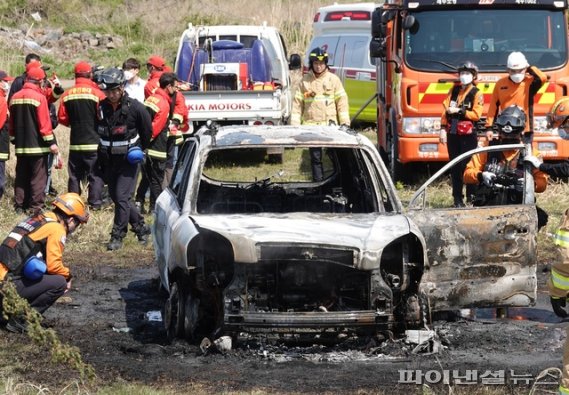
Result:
<point x="134" y="84"/>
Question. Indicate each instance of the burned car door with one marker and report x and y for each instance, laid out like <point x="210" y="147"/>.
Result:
<point x="169" y="207"/>
<point x="478" y="256"/>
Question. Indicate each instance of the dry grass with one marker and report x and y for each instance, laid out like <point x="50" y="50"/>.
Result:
<point x="149" y="27"/>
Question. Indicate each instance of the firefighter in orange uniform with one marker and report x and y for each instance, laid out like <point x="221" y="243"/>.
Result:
<point x="518" y="88"/>
<point x="32" y="255"/>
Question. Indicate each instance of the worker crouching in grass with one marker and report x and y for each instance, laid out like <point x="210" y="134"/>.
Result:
<point x="31" y="257"/>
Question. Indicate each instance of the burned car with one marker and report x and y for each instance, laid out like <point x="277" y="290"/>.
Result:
<point x="244" y="244"/>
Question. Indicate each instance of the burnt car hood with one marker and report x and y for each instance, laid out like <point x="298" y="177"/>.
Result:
<point x="365" y="234"/>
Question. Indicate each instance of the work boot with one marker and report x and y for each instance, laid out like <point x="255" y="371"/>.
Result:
<point x="114" y="244"/>
<point x="140" y="206"/>
<point x="17" y="325"/>
<point x="142" y="233"/>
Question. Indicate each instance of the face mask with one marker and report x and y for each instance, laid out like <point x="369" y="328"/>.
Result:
<point x="466" y="78"/>
<point x="5" y="86"/>
<point x="517" y="78"/>
<point x="128" y="75"/>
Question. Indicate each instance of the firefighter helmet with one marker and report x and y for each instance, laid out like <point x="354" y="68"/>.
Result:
<point x="110" y="78"/>
<point x="517" y="61"/>
<point x="318" y="54"/>
<point x="72" y="205"/>
<point x="469" y="66"/>
<point x="559" y="114"/>
<point x="511" y="121"/>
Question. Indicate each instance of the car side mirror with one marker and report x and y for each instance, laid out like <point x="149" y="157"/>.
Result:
<point x="377" y="48"/>
<point x="408" y="22"/>
<point x="295" y="62"/>
<point x="376" y="24"/>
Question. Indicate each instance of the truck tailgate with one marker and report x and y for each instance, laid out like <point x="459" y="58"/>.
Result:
<point x="233" y="105"/>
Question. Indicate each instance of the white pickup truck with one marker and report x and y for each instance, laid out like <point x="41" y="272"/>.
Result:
<point x="236" y="74"/>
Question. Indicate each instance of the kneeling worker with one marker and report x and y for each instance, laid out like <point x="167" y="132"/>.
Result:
<point x="31" y="255"/>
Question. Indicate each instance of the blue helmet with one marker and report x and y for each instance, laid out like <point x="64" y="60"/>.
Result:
<point x="135" y="155"/>
<point x="34" y="268"/>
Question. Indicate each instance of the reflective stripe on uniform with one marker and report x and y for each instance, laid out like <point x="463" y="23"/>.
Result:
<point x="15" y="236"/>
<point x="33" y="102"/>
<point x="83" y="147"/>
<point x="157" y="154"/>
<point x="32" y="151"/>
<point x="563" y="390"/>
<point x="559" y="280"/>
<point x="562" y="238"/>
<point x="106" y="143"/>
<point x="81" y="96"/>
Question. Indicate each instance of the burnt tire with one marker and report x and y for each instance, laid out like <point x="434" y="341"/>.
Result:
<point x="191" y="318"/>
<point x="174" y="312"/>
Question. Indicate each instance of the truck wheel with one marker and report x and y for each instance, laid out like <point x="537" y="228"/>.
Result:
<point x="396" y="169"/>
<point x="174" y="311"/>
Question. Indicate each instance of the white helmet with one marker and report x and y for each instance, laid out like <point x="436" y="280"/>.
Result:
<point x="517" y="61"/>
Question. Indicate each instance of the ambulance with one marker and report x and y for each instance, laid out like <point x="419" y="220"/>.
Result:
<point x="343" y="30"/>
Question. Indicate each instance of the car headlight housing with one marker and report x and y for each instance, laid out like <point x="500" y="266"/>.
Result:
<point x="422" y="125"/>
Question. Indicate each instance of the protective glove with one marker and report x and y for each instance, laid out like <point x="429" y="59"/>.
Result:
<point x="533" y="160"/>
<point x="488" y="178"/>
<point x="453" y="110"/>
<point x="55" y="82"/>
<point x="443" y="136"/>
<point x="558" y="305"/>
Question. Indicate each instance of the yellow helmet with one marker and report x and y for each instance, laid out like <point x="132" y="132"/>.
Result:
<point x="72" y="204"/>
<point x="559" y="113"/>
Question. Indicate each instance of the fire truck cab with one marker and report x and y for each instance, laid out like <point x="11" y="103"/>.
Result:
<point x="419" y="43"/>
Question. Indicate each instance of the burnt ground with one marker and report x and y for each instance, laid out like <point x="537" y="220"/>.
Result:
<point x="105" y="316"/>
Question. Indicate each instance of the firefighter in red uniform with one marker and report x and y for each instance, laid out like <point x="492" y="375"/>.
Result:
<point x="159" y="106"/>
<point x="78" y="109"/>
<point x="4" y="137"/>
<point x="32" y="255"/>
<point x="178" y="125"/>
<point x="32" y="134"/>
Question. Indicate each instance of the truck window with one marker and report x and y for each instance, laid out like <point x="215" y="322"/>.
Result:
<point x="482" y="36"/>
<point x="247" y="41"/>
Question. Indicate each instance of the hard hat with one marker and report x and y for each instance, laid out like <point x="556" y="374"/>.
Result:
<point x="559" y="113"/>
<point x="318" y="54"/>
<point x="511" y="121"/>
<point x="34" y="268"/>
<point x="110" y="78"/>
<point x="517" y="61"/>
<point x="135" y="155"/>
<point x="72" y="205"/>
<point x="469" y="66"/>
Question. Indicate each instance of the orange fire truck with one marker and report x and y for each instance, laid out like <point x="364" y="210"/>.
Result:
<point x="417" y="45"/>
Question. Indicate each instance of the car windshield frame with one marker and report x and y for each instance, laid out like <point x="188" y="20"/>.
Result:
<point x="485" y="37"/>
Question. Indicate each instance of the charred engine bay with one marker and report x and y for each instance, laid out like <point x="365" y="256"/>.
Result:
<point x="111" y="316"/>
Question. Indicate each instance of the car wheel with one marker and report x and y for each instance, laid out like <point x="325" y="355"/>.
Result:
<point x="191" y="317"/>
<point x="174" y="311"/>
